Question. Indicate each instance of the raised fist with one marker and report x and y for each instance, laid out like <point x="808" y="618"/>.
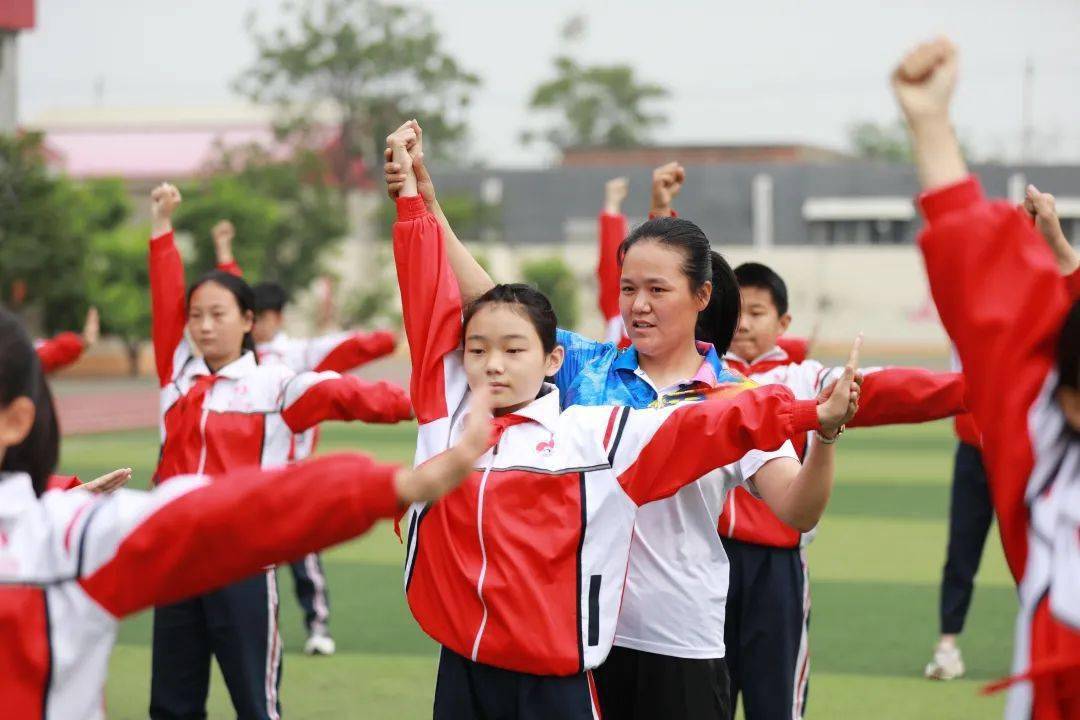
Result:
<point x="164" y="199"/>
<point x="923" y="82"/>
<point x="223" y="232"/>
<point x="92" y="327"/>
<point x="395" y="174"/>
<point x="1043" y="211"/>
<point x="667" y="181"/>
<point x="615" y="191"/>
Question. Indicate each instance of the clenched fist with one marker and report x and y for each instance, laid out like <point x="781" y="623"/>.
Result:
<point x="667" y="181"/>
<point x="615" y="191"/>
<point x="924" y="80"/>
<point x="164" y="199"/>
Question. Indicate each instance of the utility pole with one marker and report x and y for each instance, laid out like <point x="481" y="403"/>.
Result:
<point x="1027" y="133"/>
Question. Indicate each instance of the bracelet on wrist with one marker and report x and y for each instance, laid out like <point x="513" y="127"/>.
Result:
<point x="825" y="440"/>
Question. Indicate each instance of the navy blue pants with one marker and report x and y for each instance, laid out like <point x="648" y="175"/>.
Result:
<point x="236" y="624"/>
<point x="309" y="581"/>
<point x="766" y="631"/>
<point x="639" y="685"/>
<point x="970" y="514"/>
<point x="466" y="690"/>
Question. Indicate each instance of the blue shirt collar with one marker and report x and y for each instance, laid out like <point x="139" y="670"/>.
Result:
<point x="627" y="360"/>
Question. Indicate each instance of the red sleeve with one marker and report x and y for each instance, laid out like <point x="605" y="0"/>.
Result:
<point x="60" y="351"/>
<point x="431" y="304"/>
<point x="720" y="431"/>
<point x="1072" y="283"/>
<point x="312" y="398"/>
<point x="233" y="268"/>
<point x="1000" y="297"/>
<point x="166" y="303"/>
<point x="63" y="482"/>
<point x="183" y="539"/>
<point x="895" y="396"/>
<point x="797" y="348"/>
<point x="358" y="349"/>
<point x="612" y="233"/>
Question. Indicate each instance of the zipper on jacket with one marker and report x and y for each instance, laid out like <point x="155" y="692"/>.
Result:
<point x="202" y="436"/>
<point x="483" y="550"/>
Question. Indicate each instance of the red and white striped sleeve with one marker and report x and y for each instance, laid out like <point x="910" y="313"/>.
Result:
<point x="137" y="549"/>
<point x="60" y="351"/>
<point x="166" y="303"/>
<point x="344" y="351"/>
<point x="432" y="307"/>
<point x="311" y="398"/>
<point x="656" y="452"/>
<point x="1002" y="300"/>
<point x="612" y="231"/>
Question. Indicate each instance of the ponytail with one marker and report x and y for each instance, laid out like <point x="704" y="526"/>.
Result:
<point x="719" y="320"/>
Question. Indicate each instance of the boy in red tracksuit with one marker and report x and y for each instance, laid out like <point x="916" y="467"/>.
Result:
<point x="337" y="352"/>
<point x="64" y="349"/>
<point x="768" y="643"/>
<point x="1010" y="306"/>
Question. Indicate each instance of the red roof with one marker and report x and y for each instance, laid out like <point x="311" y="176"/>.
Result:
<point x="16" y="14"/>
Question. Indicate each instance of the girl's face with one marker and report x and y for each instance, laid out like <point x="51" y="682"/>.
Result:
<point x="216" y="324"/>
<point x="503" y="352"/>
<point x="657" y="305"/>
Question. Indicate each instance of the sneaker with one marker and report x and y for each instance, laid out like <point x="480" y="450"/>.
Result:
<point x="319" y="642"/>
<point x="946" y="665"/>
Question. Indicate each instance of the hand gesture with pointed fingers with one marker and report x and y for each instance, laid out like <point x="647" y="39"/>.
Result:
<point x="445" y="471"/>
<point x="108" y="482"/>
<point x="839" y="402"/>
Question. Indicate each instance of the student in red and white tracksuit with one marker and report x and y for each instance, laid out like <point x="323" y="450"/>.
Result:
<point x="73" y="564"/>
<point x="337" y="352"/>
<point x="66" y="348"/>
<point x="519" y="573"/>
<point x="219" y="412"/>
<point x="1015" y="322"/>
<point x="767" y="625"/>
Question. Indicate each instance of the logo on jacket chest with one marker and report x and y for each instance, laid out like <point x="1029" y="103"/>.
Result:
<point x="545" y="447"/>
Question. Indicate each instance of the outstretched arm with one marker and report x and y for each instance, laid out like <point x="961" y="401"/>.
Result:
<point x="223" y="234"/>
<point x="166" y="282"/>
<point x="612" y="231"/>
<point x="311" y="398"/>
<point x="472" y="279"/>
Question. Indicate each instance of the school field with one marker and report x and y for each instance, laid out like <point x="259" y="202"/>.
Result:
<point x="874" y="572"/>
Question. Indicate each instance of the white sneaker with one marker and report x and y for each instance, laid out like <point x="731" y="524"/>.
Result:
<point x="319" y="643"/>
<point x="946" y="665"/>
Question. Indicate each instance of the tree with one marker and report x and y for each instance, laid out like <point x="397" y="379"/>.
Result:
<point x="554" y="278"/>
<point x="373" y="62"/>
<point x="119" y="282"/>
<point x="46" y="224"/>
<point x="594" y="105"/>
<point x="285" y="212"/>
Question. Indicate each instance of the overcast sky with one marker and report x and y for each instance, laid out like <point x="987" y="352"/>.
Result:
<point x="772" y="70"/>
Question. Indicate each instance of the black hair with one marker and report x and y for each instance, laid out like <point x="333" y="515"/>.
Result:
<point x="269" y="296"/>
<point x="241" y="291"/>
<point x="1068" y="360"/>
<point x="756" y="275"/>
<point x="21" y="375"/>
<point x="537" y="308"/>
<point x="717" y="323"/>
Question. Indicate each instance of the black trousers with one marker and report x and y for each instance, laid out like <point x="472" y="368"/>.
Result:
<point x="236" y="624"/>
<point x="637" y="685"/>
<point x="466" y="690"/>
<point x="766" y="631"/>
<point x="309" y="581"/>
<point x="970" y="514"/>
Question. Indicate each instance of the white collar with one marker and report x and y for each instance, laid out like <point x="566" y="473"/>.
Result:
<point x="235" y="370"/>
<point x="545" y="409"/>
<point x="777" y="353"/>
<point x="16" y="493"/>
